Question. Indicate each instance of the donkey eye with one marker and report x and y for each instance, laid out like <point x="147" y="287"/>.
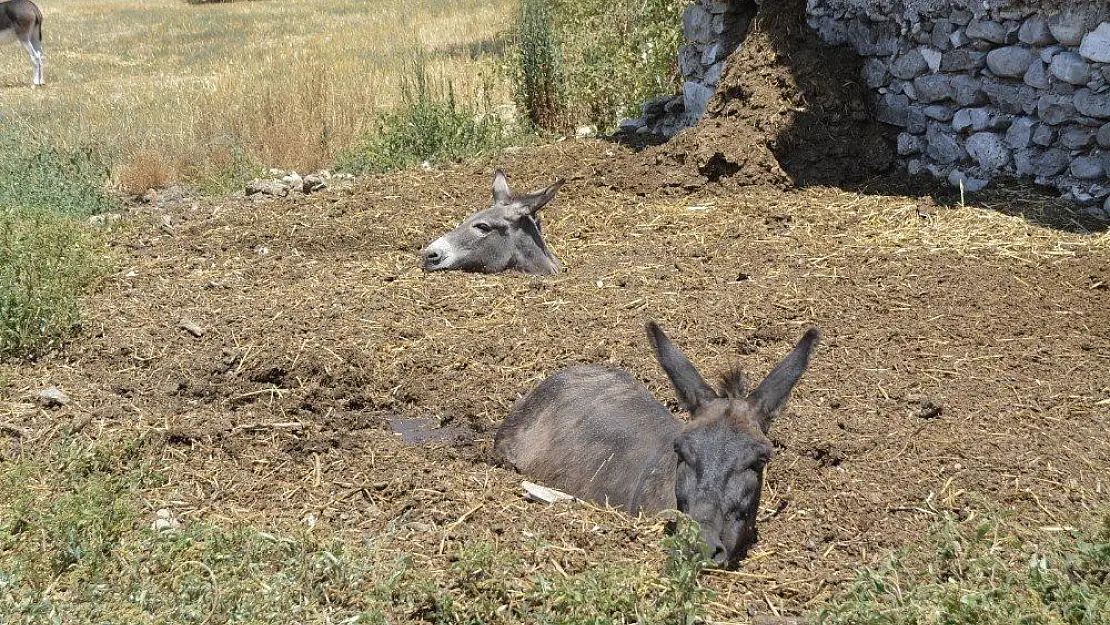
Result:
<point x="484" y="228"/>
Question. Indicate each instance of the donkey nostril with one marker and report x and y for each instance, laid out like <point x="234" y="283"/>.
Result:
<point x="718" y="556"/>
<point x="431" y="255"/>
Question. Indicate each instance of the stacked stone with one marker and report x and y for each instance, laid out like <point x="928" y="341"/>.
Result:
<point x="713" y="29"/>
<point x="982" y="93"/>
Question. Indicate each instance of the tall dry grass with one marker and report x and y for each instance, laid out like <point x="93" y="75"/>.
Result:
<point x="170" y="91"/>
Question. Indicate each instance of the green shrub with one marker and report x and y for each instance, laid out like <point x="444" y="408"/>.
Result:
<point x="539" y="72"/>
<point x="596" y="60"/>
<point x="430" y="124"/>
<point x="48" y="256"/>
<point x="984" y="572"/>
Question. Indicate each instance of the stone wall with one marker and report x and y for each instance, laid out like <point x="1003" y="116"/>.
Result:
<point x="984" y="89"/>
<point x="713" y="29"/>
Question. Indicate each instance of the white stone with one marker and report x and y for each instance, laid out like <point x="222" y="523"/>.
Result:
<point x="932" y="58"/>
<point x="52" y="397"/>
<point x="1096" y="44"/>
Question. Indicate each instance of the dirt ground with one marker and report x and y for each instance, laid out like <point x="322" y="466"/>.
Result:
<point x="965" y="365"/>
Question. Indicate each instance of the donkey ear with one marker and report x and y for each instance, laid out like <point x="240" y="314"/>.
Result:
<point x="501" y="192"/>
<point x="770" y="396"/>
<point x="692" y="390"/>
<point x="532" y="203"/>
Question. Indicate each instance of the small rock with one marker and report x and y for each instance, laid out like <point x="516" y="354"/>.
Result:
<point x="958" y="39"/>
<point x="971" y="185"/>
<point x="1093" y="104"/>
<point x="164" y="520"/>
<point x="1020" y="133"/>
<point x="1054" y="109"/>
<point x="932" y="88"/>
<point x="874" y="73"/>
<point x="696" y="98"/>
<point x="1076" y="138"/>
<point x="974" y="119"/>
<point x="191" y="327"/>
<point x="713" y="74"/>
<point x="932" y="58"/>
<point x="1052" y="162"/>
<point x="1010" y="61"/>
<point x="52" y="397"/>
<point x="293" y="180"/>
<point x="908" y="144"/>
<point x="909" y="65"/>
<point x="1096" y="44"/>
<point x="1070" y="68"/>
<point x="313" y="182"/>
<point x="1036" y="76"/>
<point x="1103" y="135"/>
<point x="697" y="24"/>
<point x="989" y="150"/>
<point x="1068" y="27"/>
<point x="1034" y="31"/>
<point x="987" y="30"/>
<point x="588" y="130"/>
<point x="1024" y="161"/>
<point x="1087" y="168"/>
<point x="961" y="60"/>
<point x="630" y="125"/>
<point x="968" y="91"/>
<point x="942" y="147"/>
<point x="1044" y="135"/>
<point x="262" y="186"/>
<point x="939" y="112"/>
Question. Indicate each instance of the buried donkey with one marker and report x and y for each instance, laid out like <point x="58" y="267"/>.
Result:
<point x="597" y="433"/>
<point x="505" y="236"/>
<point x="22" y="20"/>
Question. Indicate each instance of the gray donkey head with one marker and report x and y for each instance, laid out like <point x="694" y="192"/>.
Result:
<point x="722" y="450"/>
<point x="507" y="235"/>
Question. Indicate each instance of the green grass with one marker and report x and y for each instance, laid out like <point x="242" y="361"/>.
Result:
<point x="986" y="571"/>
<point x="76" y="546"/>
<point x="429" y="124"/>
<point x="48" y="255"/>
<point x="594" y="61"/>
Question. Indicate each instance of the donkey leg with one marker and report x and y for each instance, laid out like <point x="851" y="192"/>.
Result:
<point x="36" y="71"/>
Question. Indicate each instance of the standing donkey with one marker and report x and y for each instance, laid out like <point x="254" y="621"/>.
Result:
<point x="23" y="20"/>
<point x="597" y="433"/>
<point x="505" y="236"/>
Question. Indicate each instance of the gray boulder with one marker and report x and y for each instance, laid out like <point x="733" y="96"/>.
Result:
<point x="942" y="147"/>
<point x="987" y="30"/>
<point x="1010" y="61"/>
<point x="967" y="91"/>
<point x="971" y="119"/>
<point x="1087" y="168"/>
<point x="939" y="112"/>
<point x="874" y="73"/>
<point x="989" y="150"/>
<point x="1103" y="135"/>
<point x="1052" y="162"/>
<point x="961" y="60"/>
<point x="1096" y="44"/>
<point x="1092" y="104"/>
<point x="1068" y="27"/>
<point x="932" y="88"/>
<point x="1044" y="135"/>
<point x="1055" y="109"/>
<point x="1034" y="31"/>
<point x="1076" y="138"/>
<point x="1070" y="68"/>
<point x="908" y="144"/>
<point x="1020" y="133"/>
<point x="957" y="178"/>
<point x="909" y="65"/>
<point x="1036" y="76"/>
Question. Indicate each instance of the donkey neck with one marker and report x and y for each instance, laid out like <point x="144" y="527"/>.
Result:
<point x="532" y="254"/>
<point x="655" y="486"/>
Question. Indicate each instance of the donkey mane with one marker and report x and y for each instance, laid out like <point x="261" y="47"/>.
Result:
<point x="734" y="384"/>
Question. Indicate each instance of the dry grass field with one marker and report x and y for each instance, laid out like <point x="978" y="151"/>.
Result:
<point x="169" y="90"/>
